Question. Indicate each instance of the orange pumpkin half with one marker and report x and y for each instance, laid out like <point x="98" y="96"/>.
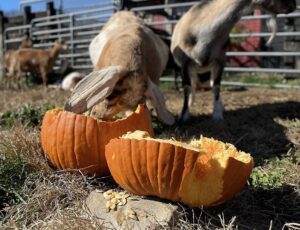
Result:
<point x="205" y="172"/>
<point x="74" y="141"/>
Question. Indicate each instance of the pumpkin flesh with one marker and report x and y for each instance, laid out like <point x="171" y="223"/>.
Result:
<point x="206" y="172"/>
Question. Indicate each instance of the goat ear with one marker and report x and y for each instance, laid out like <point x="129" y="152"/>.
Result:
<point x="154" y="94"/>
<point x="94" y="88"/>
<point x="59" y="41"/>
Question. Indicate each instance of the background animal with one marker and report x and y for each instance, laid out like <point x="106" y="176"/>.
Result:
<point x="128" y="62"/>
<point x="7" y="63"/>
<point x="201" y="37"/>
<point x="69" y="76"/>
<point x="71" y="80"/>
<point x="34" y="61"/>
<point x="26" y="42"/>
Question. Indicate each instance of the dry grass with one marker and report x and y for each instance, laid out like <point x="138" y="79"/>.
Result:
<point x="48" y="199"/>
<point x="262" y="122"/>
<point x="54" y="201"/>
<point x="24" y="143"/>
<point x="13" y="99"/>
<point x="20" y="156"/>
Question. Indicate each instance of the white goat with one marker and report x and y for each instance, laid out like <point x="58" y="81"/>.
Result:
<point x="71" y="80"/>
<point x="200" y="39"/>
<point x="128" y="61"/>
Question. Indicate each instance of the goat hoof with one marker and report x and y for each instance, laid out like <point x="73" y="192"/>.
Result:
<point x="218" y="116"/>
<point x="183" y="119"/>
<point x="218" y="111"/>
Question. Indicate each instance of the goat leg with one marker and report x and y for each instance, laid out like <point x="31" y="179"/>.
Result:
<point x="177" y="87"/>
<point x="44" y="76"/>
<point x="187" y="90"/>
<point x="193" y="76"/>
<point x="18" y="79"/>
<point x="217" y="72"/>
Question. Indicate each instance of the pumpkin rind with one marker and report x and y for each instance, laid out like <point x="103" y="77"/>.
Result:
<point x="74" y="141"/>
<point x="150" y="167"/>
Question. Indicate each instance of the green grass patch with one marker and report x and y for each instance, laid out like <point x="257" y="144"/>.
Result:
<point x="2" y="81"/>
<point x="276" y="172"/>
<point x="164" y="86"/>
<point x="265" y="79"/>
<point x="13" y="171"/>
<point x="20" y="159"/>
<point x="29" y="116"/>
<point x="267" y="179"/>
<point x="294" y="123"/>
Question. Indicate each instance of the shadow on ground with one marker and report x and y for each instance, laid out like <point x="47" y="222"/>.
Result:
<point x="253" y="130"/>
<point x="253" y="209"/>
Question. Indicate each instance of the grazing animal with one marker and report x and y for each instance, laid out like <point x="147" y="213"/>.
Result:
<point x="70" y="77"/>
<point x="201" y="37"/>
<point x="26" y="42"/>
<point x="70" y="81"/>
<point x="35" y="61"/>
<point x="128" y="61"/>
<point x="8" y="56"/>
<point x="8" y="59"/>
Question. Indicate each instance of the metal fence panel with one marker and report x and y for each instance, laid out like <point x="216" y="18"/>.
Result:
<point x="168" y="25"/>
<point x="78" y="28"/>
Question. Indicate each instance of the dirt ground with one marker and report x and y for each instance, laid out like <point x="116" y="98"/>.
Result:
<point x="255" y="120"/>
<point x="263" y="122"/>
<point x="258" y="121"/>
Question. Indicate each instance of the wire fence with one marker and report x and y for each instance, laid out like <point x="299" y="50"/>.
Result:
<point x="78" y="28"/>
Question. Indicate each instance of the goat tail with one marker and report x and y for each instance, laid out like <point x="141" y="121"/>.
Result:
<point x="53" y="86"/>
<point x="272" y="25"/>
<point x="94" y="88"/>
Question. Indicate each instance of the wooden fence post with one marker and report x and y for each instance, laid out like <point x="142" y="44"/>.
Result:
<point x="27" y="15"/>
<point x="50" y="10"/>
<point x="1" y="45"/>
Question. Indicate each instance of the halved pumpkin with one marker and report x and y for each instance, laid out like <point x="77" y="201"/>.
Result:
<point x="205" y="172"/>
<point x="74" y="141"/>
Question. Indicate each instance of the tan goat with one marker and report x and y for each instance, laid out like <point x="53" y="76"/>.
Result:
<point x="35" y="61"/>
<point x="128" y="61"/>
<point x="8" y="56"/>
<point x="200" y="40"/>
<point x="26" y="42"/>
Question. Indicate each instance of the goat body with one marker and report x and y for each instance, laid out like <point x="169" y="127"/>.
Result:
<point x="34" y="61"/>
<point x="203" y="31"/>
<point x="200" y="40"/>
<point x="26" y="42"/>
<point x="8" y="59"/>
<point x="114" y="24"/>
<point x="132" y="58"/>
